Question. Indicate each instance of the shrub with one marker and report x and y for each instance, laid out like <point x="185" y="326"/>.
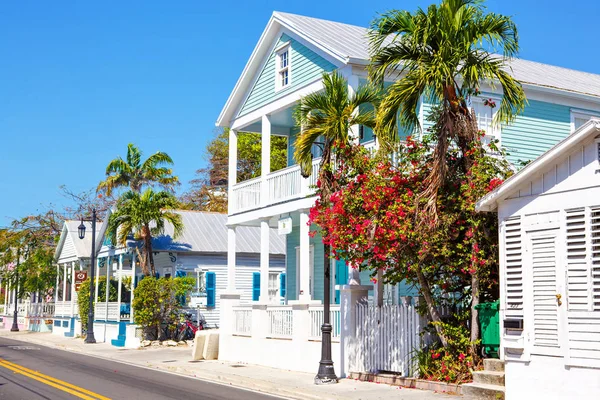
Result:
<point x="83" y="297"/>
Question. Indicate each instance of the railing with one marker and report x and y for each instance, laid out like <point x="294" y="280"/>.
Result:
<point x="62" y="308"/>
<point x="246" y="195"/>
<point x="41" y="310"/>
<point x="283" y="185"/>
<point x="22" y="309"/>
<point x="317" y="315"/>
<point x="242" y="321"/>
<point x="280" y="321"/>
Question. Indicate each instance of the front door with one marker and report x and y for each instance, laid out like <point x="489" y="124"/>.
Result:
<point x="546" y="292"/>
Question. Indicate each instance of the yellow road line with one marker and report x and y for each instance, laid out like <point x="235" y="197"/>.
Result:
<point x="50" y="381"/>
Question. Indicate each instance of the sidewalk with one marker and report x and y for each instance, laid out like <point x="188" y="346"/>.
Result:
<point x="288" y="384"/>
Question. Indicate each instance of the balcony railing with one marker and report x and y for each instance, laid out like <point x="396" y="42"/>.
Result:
<point x="283" y="185"/>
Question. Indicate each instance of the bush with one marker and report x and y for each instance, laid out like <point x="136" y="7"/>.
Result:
<point x="83" y="297"/>
<point x="156" y="304"/>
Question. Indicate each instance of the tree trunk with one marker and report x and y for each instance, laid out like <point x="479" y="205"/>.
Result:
<point x="431" y="308"/>
<point x="148" y="249"/>
<point x="474" y="312"/>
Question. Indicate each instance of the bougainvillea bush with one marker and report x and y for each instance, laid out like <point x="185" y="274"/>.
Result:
<point x="374" y="221"/>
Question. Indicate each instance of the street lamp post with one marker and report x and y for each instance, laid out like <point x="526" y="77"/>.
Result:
<point x="90" y="330"/>
<point x="15" y="325"/>
<point x="326" y="374"/>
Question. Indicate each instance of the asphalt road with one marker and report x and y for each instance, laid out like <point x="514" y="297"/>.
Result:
<point x="32" y="372"/>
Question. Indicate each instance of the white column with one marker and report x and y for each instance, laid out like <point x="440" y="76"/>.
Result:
<point x="57" y="284"/>
<point x="73" y="289"/>
<point x="96" y="276"/>
<point x="265" y="161"/>
<point x="351" y="349"/>
<point x="353" y="84"/>
<point x="119" y="286"/>
<point x="132" y="286"/>
<point x="107" y="296"/>
<point x="304" y="257"/>
<point x="64" y="296"/>
<point x="231" y="248"/>
<point x="264" y="261"/>
<point x="232" y="176"/>
<point x="6" y="294"/>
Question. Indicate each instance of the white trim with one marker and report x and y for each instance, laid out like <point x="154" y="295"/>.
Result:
<point x="581" y="114"/>
<point x="282" y="46"/>
<point x="489" y="201"/>
<point x="279" y="51"/>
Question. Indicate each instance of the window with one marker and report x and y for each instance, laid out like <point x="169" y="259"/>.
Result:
<point x="274" y="287"/>
<point x="484" y="109"/>
<point x="578" y="118"/>
<point x="283" y="67"/>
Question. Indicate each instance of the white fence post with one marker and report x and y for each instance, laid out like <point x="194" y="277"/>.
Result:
<point x="351" y="297"/>
<point x="260" y="321"/>
<point x="300" y="322"/>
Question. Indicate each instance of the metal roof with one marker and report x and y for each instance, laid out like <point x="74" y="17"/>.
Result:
<point x="350" y="42"/>
<point x="207" y="232"/>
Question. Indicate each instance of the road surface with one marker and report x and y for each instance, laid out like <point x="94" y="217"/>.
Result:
<point x="32" y="372"/>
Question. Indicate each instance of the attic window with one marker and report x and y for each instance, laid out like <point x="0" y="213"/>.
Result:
<point x="578" y="118"/>
<point x="283" y="67"/>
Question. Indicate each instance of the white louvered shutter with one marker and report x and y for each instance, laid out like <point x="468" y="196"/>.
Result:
<point x="545" y="307"/>
<point x="577" y="260"/>
<point x="514" y="268"/>
<point x="595" y="265"/>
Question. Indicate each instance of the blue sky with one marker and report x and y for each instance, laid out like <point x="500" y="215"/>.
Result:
<point x="79" y="80"/>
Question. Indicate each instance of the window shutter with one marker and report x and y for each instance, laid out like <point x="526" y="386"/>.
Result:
<point x="255" y="286"/>
<point x="595" y="267"/>
<point x="282" y="286"/>
<point x="545" y="306"/>
<point x="514" y="268"/>
<point x="211" y="288"/>
<point x="577" y="260"/>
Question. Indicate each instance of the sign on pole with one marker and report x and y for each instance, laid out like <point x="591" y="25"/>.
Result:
<point x="80" y="276"/>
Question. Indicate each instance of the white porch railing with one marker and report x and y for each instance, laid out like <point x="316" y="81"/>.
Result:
<point x="242" y="320"/>
<point x="41" y="310"/>
<point x="280" y="321"/>
<point x="283" y="185"/>
<point x="102" y="313"/>
<point x="62" y="308"/>
<point x="22" y="309"/>
<point x="317" y="315"/>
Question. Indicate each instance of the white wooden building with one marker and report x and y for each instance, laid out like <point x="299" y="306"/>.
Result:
<point x="549" y="214"/>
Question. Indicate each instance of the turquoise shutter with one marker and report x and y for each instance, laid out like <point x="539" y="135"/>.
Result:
<point x="282" y="285"/>
<point x="341" y="277"/>
<point x="210" y="289"/>
<point x="255" y="286"/>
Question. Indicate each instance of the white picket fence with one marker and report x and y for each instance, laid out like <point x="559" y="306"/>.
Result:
<point x="242" y="321"/>
<point x="280" y="321"/>
<point x="387" y="338"/>
<point x="317" y="315"/>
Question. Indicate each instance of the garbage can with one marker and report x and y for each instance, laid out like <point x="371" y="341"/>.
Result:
<point x="489" y="322"/>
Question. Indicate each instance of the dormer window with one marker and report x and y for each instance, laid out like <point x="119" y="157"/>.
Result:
<point x="578" y="118"/>
<point x="283" y="67"/>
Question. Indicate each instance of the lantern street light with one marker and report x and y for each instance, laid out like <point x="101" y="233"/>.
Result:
<point x="15" y="324"/>
<point x="81" y="231"/>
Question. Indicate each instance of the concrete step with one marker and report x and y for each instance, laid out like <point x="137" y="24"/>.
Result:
<point x="482" y="391"/>
<point x="489" y="377"/>
<point x="493" y="364"/>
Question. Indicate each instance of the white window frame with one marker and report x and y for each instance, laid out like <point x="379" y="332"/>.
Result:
<point x="279" y="51"/>
<point x="496" y="130"/>
<point x="581" y="114"/>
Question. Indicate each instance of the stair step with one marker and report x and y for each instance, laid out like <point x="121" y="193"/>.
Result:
<point x="493" y="364"/>
<point x="482" y="391"/>
<point x="489" y="377"/>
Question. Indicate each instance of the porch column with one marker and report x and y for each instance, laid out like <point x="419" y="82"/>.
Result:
<point x="64" y="296"/>
<point x="304" y="292"/>
<point x="107" y="293"/>
<point x="57" y="286"/>
<point x="119" y="286"/>
<point x="265" y="161"/>
<point x="72" y="289"/>
<point x="232" y="175"/>
<point x="264" y="261"/>
<point x="231" y="247"/>
<point x="353" y="84"/>
<point x="132" y="287"/>
<point x="96" y="277"/>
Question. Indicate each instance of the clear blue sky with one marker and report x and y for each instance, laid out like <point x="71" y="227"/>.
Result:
<point x="80" y="79"/>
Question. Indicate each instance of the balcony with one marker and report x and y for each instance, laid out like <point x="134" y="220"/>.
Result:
<point x="280" y="186"/>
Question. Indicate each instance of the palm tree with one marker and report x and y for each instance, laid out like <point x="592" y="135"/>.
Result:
<point x="143" y="215"/>
<point x="134" y="173"/>
<point x="327" y="117"/>
<point x="443" y="53"/>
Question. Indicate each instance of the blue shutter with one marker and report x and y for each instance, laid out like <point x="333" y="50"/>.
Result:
<point x="255" y="286"/>
<point x="156" y="275"/>
<point x="211" y="283"/>
<point x="180" y="274"/>
<point x="282" y="285"/>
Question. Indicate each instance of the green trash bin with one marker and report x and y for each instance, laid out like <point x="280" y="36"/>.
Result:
<point x="489" y="322"/>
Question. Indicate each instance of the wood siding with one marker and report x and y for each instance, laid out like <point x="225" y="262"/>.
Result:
<point x="306" y="67"/>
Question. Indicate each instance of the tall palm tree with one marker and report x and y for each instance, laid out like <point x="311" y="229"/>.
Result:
<point x="327" y="116"/>
<point x="443" y="53"/>
<point x="143" y="215"/>
<point x="134" y="173"/>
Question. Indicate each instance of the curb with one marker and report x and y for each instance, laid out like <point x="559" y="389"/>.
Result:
<point x="250" y="384"/>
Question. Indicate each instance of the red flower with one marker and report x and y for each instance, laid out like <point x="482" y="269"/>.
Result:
<point x="461" y="357"/>
<point x="435" y="356"/>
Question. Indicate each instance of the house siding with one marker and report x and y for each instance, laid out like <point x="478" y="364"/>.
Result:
<point x="293" y="241"/>
<point x="306" y="66"/>
<point x="294" y="131"/>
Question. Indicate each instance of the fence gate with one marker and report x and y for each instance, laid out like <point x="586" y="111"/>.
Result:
<point x="387" y="337"/>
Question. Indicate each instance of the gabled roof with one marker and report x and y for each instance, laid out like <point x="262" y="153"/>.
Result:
<point x="83" y="247"/>
<point x="348" y="44"/>
<point x="490" y="201"/>
<point x="207" y="233"/>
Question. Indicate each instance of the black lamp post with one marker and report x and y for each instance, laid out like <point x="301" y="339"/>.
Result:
<point x="81" y="230"/>
<point x="15" y="324"/>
